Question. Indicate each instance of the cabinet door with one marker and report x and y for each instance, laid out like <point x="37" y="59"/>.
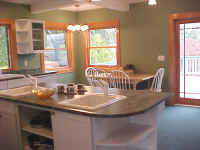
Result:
<point x="71" y="132"/>
<point x="38" y="35"/>
<point x="3" y="85"/>
<point x="8" y="132"/>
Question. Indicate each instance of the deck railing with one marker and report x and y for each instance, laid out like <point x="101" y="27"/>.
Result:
<point x="192" y="65"/>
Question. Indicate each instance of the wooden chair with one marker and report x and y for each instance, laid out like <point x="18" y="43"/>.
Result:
<point x="120" y="80"/>
<point x="157" y="81"/>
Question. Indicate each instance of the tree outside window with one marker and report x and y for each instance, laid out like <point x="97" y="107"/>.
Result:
<point x="103" y="47"/>
<point x="101" y="44"/>
<point x="4" y="47"/>
<point x="58" y="54"/>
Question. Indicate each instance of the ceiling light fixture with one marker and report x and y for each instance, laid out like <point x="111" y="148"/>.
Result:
<point x="152" y="2"/>
<point x="77" y="27"/>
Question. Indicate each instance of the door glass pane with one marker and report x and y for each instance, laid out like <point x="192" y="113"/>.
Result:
<point x="182" y="61"/>
<point x="4" y="48"/>
<point x="190" y="60"/>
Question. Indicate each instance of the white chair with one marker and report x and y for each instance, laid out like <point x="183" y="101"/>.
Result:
<point x="102" y="75"/>
<point x="90" y="74"/>
<point x="120" y="80"/>
<point x="95" y="74"/>
<point x="157" y="80"/>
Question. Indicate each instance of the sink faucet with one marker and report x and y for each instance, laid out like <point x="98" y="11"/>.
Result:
<point x="102" y="84"/>
<point x="32" y="79"/>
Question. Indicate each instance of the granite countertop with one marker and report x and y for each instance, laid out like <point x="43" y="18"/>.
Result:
<point x="136" y="102"/>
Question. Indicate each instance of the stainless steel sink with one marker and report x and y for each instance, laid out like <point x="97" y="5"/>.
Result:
<point x="92" y="101"/>
<point x="17" y="91"/>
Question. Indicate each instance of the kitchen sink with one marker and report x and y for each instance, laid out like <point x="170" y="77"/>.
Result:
<point x="92" y="101"/>
<point x="17" y="91"/>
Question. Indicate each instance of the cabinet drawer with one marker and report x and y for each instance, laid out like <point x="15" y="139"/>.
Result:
<point x="74" y="117"/>
<point x="3" y="85"/>
<point x="7" y="107"/>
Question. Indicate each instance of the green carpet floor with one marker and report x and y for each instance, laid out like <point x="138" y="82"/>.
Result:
<point x="179" y="129"/>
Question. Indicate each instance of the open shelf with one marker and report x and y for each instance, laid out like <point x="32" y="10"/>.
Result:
<point x="26" y="144"/>
<point x="119" y="148"/>
<point x="26" y="147"/>
<point x="45" y="132"/>
<point x="128" y="135"/>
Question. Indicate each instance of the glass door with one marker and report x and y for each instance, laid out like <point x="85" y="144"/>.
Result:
<point x="189" y="62"/>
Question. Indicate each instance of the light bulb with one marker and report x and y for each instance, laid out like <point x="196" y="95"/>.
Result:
<point x="152" y="2"/>
<point x="84" y="28"/>
<point x="77" y="27"/>
<point x="71" y="28"/>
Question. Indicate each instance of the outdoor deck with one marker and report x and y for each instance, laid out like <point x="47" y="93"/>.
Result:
<point x="192" y="86"/>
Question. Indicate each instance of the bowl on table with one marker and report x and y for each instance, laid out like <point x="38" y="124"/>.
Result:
<point x="43" y="92"/>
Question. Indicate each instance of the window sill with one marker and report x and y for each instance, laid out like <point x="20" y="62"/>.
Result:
<point x="106" y="68"/>
<point x="61" y="71"/>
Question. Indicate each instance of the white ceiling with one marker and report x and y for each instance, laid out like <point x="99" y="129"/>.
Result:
<point x="38" y="6"/>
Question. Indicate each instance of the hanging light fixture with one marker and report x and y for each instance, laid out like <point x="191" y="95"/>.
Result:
<point x="152" y="2"/>
<point x="77" y="27"/>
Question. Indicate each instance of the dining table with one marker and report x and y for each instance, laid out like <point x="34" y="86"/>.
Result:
<point x="135" y="78"/>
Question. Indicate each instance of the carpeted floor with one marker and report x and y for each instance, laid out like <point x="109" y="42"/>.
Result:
<point x="179" y="129"/>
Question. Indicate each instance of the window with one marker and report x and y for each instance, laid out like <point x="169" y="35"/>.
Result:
<point x="7" y="45"/>
<point x="4" y="47"/>
<point x="58" y="50"/>
<point x="102" y="45"/>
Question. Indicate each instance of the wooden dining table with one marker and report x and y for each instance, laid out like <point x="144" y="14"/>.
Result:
<point x="139" y="77"/>
<point x="135" y="78"/>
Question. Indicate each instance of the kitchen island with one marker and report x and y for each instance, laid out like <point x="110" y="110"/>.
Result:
<point x="130" y="123"/>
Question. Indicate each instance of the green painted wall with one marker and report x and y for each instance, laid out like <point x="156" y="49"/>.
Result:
<point x="8" y="10"/>
<point x="144" y="33"/>
<point x="63" y="17"/>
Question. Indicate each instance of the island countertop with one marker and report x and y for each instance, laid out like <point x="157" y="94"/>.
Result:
<point x="137" y="102"/>
<point x="13" y="76"/>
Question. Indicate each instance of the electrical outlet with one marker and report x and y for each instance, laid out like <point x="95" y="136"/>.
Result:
<point x="25" y="63"/>
<point x="161" y="58"/>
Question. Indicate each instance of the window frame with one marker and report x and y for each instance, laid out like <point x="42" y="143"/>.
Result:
<point x="12" y="51"/>
<point x="86" y="43"/>
<point x="69" y="48"/>
<point x="174" y="20"/>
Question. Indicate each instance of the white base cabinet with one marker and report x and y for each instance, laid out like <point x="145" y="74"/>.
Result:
<point x="8" y="127"/>
<point x="77" y="132"/>
<point x="71" y="132"/>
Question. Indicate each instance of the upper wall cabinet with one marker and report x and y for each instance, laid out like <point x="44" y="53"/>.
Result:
<point x="30" y="36"/>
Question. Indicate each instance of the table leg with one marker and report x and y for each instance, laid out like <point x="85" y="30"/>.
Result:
<point x="134" y="84"/>
<point x="149" y="83"/>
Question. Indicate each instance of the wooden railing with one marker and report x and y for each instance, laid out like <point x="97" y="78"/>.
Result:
<point x="192" y="65"/>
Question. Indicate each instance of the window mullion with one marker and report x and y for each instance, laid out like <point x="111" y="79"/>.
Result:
<point x="8" y="45"/>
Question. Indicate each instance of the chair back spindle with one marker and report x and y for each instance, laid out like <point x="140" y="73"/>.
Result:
<point x="90" y="75"/>
<point x="120" y="80"/>
<point x="157" y="80"/>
